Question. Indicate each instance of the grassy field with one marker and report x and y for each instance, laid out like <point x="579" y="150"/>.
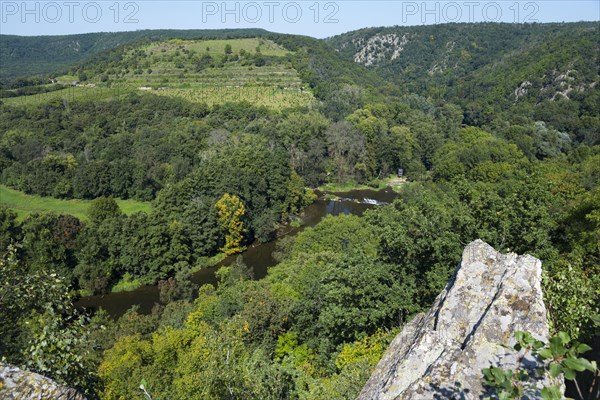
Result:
<point x="126" y="284"/>
<point x="391" y="181"/>
<point x="25" y="204"/>
<point x="350" y="186"/>
<point x="170" y="68"/>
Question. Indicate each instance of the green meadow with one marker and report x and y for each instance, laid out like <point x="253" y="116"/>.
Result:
<point x="25" y="204"/>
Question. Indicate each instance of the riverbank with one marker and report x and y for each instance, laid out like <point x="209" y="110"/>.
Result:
<point x="391" y="181"/>
<point x="258" y="257"/>
<point x="130" y="284"/>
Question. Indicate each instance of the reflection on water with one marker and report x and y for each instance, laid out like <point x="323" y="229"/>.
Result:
<point x="258" y="256"/>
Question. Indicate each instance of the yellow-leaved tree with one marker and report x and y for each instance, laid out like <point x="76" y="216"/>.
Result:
<point x="231" y="210"/>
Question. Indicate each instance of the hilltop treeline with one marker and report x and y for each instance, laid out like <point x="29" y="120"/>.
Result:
<point x="24" y="56"/>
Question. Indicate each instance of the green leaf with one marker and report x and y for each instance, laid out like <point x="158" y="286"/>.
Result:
<point x="519" y="335"/>
<point x="498" y="374"/>
<point x="578" y="364"/>
<point x="551" y="393"/>
<point x="546" y="354"/>
<point x="487" y="373"/>
<point x="555" y="370"/>
<point x="557" y="347"/>
<point x="564" y="337"/>
<point x="538" y="344"/>
<point x="582" y="348"/>
<point x="569" y="374"/>
<point x="528" y="339"/>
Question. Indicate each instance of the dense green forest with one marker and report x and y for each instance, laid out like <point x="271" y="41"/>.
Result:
<point x="519" y="169"/>
<point x="515" y="70"/>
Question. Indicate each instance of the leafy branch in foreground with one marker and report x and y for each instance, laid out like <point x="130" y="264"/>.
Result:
<point x="558" y="358"/>
<point x="40" y="329"/>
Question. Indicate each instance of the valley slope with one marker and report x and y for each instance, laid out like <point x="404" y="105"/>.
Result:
<point x="525" y="69"/>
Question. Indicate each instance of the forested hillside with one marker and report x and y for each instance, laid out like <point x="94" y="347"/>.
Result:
<point x="422" y="57"/>
<point x="522" y="70"/>
<point x="183" y="154"/>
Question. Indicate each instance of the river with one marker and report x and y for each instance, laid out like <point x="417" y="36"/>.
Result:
<point x="258" y="256"/>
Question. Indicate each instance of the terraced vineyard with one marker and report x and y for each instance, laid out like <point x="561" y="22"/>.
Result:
<point x="72" y="93"/>
<point x="209" y="71"/>
<point x="260" y="96"/>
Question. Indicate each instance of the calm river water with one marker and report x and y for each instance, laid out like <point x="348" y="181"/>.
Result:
<point x="258" y="256"/>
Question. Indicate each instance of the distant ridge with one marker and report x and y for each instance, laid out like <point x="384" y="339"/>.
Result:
<point x="35" y="55"/>
<point x="485" y="66"/>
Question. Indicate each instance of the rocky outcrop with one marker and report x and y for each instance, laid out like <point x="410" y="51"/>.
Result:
<point x="522" y="90"/>
<point x="378" y="48"/>
<point x="16" y="384"/>
<point x="441" y="355"/>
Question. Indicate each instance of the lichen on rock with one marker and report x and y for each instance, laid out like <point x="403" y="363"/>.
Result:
<point x="16" y="384"/>
<point x="470" y="327"/>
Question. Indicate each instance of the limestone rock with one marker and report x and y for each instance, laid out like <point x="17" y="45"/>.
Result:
<point x="16" y="384"/>
<point x="440" y="355"/>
